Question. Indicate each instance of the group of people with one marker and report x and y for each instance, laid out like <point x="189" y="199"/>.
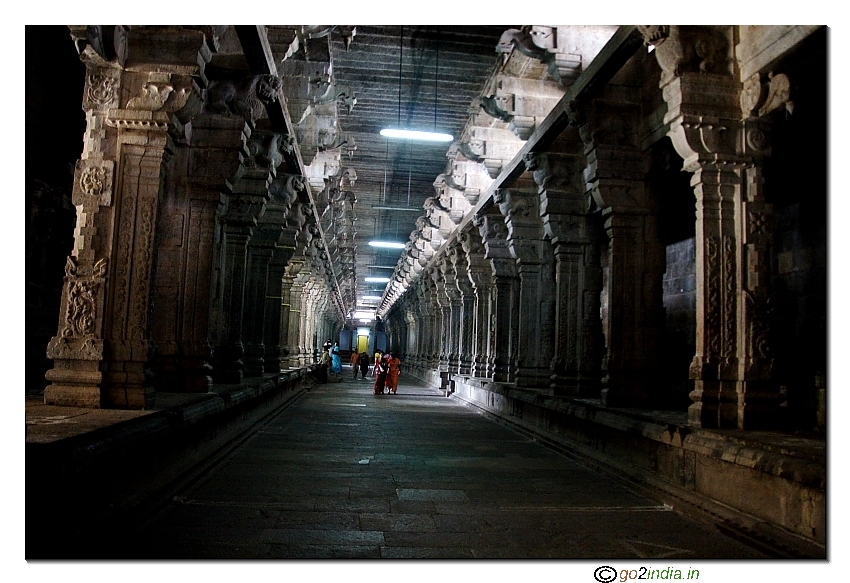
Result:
<point x="386" y="371"/>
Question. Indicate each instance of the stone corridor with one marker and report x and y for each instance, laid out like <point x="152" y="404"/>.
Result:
<point x="343" y="473"/>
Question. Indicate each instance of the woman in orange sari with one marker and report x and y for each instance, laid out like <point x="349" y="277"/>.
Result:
<point x="393" y="373"/>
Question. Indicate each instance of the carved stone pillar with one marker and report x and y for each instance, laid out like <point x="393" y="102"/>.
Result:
<point x="467" y="308"/>
<point x="435" y="320"/>
<point x="424" y="326"/>
<point x="248" y="194"/>
<point x="306" y="319"/>
<point x="260" y="252"/>
<point x="525" y="241"/>
<point x="411" y="332"/>
<point x="102" y="347"/>
<point x="290" y="312"/>
<point x="186" y="252"/>
<point x="480" y="275"/>
<point x="579" y="342"/>
<point x="711" y="128"/>
<point x="269" y="149"/>
<point x="615" y="178"/>
<point x="452" y="332"/>
<point x="504" y="299"/>
<point x="444" y="330"/>
<point x="281" y="210"/>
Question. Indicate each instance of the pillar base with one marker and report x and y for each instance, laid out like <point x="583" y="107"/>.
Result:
<point x="72" y="396"/>
<point x="533" y="377"/>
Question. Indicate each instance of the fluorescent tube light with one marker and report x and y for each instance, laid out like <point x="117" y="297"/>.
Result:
<point x="378" y="279"/>
<point x="416" y="135"/>
<point x="387" y="244"/>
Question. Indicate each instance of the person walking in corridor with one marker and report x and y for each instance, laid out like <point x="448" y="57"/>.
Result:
<point x="364" y="364"/>
<point x="324" y="363"/>
<point x="377" y="360"/>
<point x="394" y="363"/>
<point x="355" y="361"/>
<point x="381" y="370"/>
<point x="336" y="361"/>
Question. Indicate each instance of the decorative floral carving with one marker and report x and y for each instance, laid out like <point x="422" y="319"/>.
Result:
<point x="94" y="182"/>
<point x="757" y="223"/>
<point x="729" y="296"/>
<point x="756" y="139"/>
<point x="100" y="90"/>
<point x="712" y="299"/>
<point x="143" y="260"/>
<point x="758" y="326"/>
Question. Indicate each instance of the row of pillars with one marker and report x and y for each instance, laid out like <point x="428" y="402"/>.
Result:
<point x="196" y="257"/>
<point x="555" y="284"/>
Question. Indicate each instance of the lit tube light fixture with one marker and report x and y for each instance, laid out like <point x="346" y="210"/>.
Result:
<point x="416" y="135"/>
<point x="378" y="279"/>
<point x="371" y="298"/>
<point x="387" y="244"/>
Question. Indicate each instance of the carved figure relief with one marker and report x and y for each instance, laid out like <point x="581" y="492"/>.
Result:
<point x="81" y="309"/>
<point x="490" y="104"/>
<point x="246" y="98"/>
<point x="153" y="97"/>
<point x="681" y="49"/>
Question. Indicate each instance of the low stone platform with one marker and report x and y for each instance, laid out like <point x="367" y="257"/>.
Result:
<point x="764" y="486"/>
<point x="86" y="467"/>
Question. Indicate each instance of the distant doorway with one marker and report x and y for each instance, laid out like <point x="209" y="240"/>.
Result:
<point x="363" y="344"/>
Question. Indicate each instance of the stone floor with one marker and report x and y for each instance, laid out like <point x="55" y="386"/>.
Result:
<point x="343" y="473"/>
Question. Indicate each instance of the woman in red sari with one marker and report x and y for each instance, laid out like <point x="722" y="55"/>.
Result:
<point x="381" y="369"/>
<point x="393" y="373"/>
